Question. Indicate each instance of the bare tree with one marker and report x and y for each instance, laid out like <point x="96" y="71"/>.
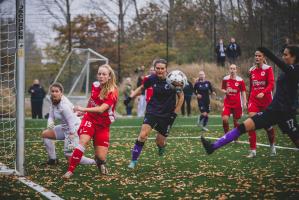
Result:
<point x="60" y="11"/>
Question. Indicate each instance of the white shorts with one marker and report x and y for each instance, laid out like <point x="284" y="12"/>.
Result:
<point x="70" y="141"/>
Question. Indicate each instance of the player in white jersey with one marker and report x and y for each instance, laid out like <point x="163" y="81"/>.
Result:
<point x="62" y="109"/>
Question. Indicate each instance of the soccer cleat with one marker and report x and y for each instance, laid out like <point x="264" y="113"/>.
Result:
<point x="207" y="145"/>
<point x="52" y="162"/>
<point x="103" y="169"/>
<point x="132" y="164"/>
<point x="161" y="151"/>
<point x="205" y="128"/>
<point x="272" y="150"/>
<point x="67" y="175"/>
<point x="252" y="154"/>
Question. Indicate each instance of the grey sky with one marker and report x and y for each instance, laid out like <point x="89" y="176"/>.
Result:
<point x="41" y="23"/>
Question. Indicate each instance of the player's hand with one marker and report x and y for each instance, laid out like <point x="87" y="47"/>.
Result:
<point x="80" y="113"/>
<point x="199" y="96"/>
<point x="214" y="93"/>
<point x="127" y="101"/>
<point x="78" y="108"/>
<point x="51" y="125"/>
<point x="260" y="95"/>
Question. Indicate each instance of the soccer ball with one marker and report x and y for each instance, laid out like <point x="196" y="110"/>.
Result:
<point x="176" y="78"/>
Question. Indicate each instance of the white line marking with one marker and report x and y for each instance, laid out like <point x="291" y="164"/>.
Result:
<point x="45" y="192"/>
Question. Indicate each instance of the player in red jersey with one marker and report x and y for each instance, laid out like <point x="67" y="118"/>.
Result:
<point x="233" y="87"/>
<point x="96" y="121"/>
<point x="149" y="91"/>
<point x="260" y="97"/>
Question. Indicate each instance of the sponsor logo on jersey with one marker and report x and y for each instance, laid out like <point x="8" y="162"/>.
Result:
<point x="167" y="87"/>
<point x="258" y="83"/>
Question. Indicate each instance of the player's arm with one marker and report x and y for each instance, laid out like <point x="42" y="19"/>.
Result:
<point x="70" y="118"/>
<point x="288" y="69"/>
<point x="179" y="102"/>
<point x="137" y="91"/>
<point x="211" y="88"/>
<point x="98" y="109"/>
<point x="223" y="87"/>
<point x="270" y="81"/>
<point x="244" y="99"/>
<point x="50" y="122"/>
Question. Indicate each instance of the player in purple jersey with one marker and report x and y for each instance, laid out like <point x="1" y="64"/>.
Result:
<point x="282" y="110"/>
<point x="202" y="90"/>
<point x="161" y="110"/>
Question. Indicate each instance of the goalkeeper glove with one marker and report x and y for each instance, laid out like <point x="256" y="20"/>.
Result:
<point x="50" y="125"/>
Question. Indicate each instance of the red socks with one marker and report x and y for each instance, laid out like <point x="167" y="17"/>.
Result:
<point x="252" y="140"/>
<point x="225" y="126"/>
<point x="76" y="157"/>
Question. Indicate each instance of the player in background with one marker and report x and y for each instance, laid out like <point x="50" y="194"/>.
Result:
<point x="233" y="87"/>
<point x="161" y="110"/>
<point x="281" y="111"/>
<point x="96" y="121"/>
<point x="149" y="91"/>
<point x="202" y="90"/>
<point x="260" y="96"/>
<point x="62" y="109"/>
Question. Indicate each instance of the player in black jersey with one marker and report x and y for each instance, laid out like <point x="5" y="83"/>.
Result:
<point x="282" y="110"/>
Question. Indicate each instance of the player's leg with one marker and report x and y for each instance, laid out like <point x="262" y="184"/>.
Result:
<point x="205" y="120"/>
<point x="237" y="114"/>
<point x="252" y="139"/>
<point x="188" y="102"/>
<point x="261" y="120"/>
<point x="200" y="117"/>
<point x="183" y="108"/>
<point x="225" y="117"/>
<point x="48" y="136"/>
<point x="146" y="128"/>
<point x="290" y="126"/>
<point x="163" y="127"/>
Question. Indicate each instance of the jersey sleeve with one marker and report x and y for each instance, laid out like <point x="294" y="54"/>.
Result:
<point x="51" y="116"/>
<point x="270" y="81"/>
<point x="223" y="85"/>
<point x="148" y="82"/>
<point x="69" y="117"/>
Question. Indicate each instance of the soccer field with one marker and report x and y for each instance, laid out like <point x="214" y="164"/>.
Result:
<point x="184" y="172"/>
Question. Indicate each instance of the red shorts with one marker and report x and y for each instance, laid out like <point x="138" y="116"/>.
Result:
<point x="236" y="112"/>
<point x="252" y="107"/>
<point x="100" y="134"/>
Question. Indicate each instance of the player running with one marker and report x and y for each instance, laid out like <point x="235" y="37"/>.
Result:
<point x="202" y="90"/>
<point x="62" y="109"/>
<point x="96" y="121"/>
<point x="161" y="110"/>
<point x="261" y="86"/>
<point x="233" y="87"/>
<point x="281" y="111"/>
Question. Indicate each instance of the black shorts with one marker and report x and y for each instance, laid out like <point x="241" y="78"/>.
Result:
<point x="203" y="107"/>
<point x="160" y="124"/>
<point x="285" y="120"/>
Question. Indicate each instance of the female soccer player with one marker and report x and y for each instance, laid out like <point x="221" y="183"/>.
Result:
<point x="202" y="90"/>
<point x="261" y="86"/>
<point x="96" y="121"/>
<point x="281" y="111"/>
<point x="233" y="87"/>
<point x="62" y="109"/>
<point x="161" y="110"/>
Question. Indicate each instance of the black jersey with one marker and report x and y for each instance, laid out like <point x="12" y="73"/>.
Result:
<point x="286" y="94"/>
<point x="203" y="88"/>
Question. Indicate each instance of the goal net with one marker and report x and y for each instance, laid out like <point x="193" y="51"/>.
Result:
<point x="78" y="72"/>
<point x="7" y="85"/>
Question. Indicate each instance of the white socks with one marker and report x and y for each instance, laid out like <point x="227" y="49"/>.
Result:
<point x="50" y="148"/>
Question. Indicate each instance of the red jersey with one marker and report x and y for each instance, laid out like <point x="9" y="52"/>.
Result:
<point x="149" y="91"/>
<point x="234" y="87"/>
<point x="107" y="117"/>
<point x="261" y="80"/>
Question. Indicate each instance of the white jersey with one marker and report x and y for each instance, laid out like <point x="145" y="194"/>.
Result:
<point x="64" y="112"/>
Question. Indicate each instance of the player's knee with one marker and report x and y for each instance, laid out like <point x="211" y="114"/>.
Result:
<point x="225" y="119"/>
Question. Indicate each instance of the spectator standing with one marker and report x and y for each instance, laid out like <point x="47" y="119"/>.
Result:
<point x="38" y="94"/>
<point x="141" y="98"/>
<point x="188" y="92"/>
<point x="233" y="51"/>
<point x="127" y="92"/>
<point x="220" y="53"/>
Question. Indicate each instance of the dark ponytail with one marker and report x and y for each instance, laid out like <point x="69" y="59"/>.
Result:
<point x="294" y="51"/>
